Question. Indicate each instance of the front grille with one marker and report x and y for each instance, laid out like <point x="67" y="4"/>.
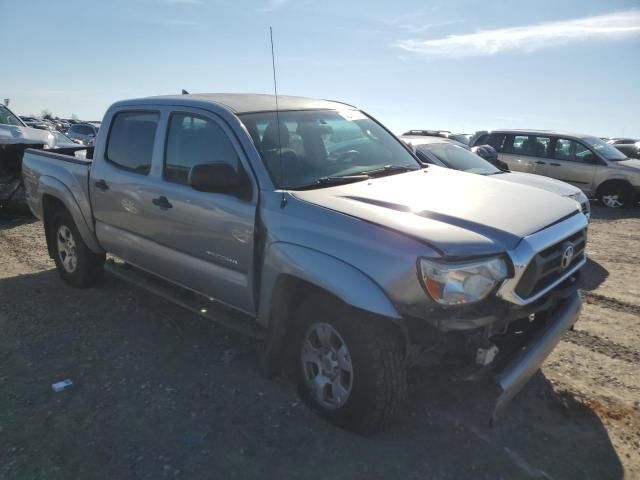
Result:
<point x="546" y="266"/>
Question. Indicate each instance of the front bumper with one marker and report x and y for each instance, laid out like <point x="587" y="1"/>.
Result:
<point x="521" y="368"/>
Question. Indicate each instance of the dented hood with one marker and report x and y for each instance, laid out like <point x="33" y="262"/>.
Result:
<point x="460" y="214"/>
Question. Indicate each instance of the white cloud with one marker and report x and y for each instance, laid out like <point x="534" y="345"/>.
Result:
<point x="527" y="38"/>
<point x="416" y="28"/>
<point x="273" y="5"/>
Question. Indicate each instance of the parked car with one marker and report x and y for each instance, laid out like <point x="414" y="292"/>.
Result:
<point x="36" y="123"/>
<point x="458" y="137"/>
<point x="325" y="235"/>
<point x="439" y="152"/>
<point x="85" y="133"/>
<point x="622" y="141"/>
<point x="631" y="150"/>
<point x="597" y="168"/>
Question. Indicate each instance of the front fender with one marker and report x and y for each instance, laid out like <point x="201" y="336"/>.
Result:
<point x="324" y="271"/>
<point x="58" y="190"/>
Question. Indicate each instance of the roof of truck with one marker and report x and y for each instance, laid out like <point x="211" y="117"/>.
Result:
<point x="247" y="102"/>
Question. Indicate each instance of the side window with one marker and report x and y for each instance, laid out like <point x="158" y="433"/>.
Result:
<point x="570" y="150"/>
<point x="496" y="140"/>
<point x="531" y="145"/>
<point x="193" y="140"/>
<point x="130" y="143"/>
<point x="482" y="139"/>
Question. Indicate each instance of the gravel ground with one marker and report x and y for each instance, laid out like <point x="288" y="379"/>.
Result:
<point x="160" y="393"/>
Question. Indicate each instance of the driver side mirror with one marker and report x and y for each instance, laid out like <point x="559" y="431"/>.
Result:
<point x="218" y="178"/>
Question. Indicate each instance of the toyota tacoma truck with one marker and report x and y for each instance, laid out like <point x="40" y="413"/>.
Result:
<point x="308" y="224"/>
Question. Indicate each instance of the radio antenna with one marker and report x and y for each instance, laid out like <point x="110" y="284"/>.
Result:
<point x="283" y="200"/>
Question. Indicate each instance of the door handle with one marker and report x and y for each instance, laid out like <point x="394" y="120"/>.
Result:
<point x="555" y="164"/>
<point x="540" y="162"/>
<point x="162" y="202"/>
<point x="102" y="185"/>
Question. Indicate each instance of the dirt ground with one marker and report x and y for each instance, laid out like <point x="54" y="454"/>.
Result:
<point x="160" y="393"/>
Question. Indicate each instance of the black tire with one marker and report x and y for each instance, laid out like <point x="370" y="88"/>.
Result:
<point x="88" y="266"/>
<point x="615" y="195"/>
<point x="379" y="377"/>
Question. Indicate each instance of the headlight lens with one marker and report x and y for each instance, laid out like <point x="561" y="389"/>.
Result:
<point x="461" y="283"/>
<point x="583" y="201"/>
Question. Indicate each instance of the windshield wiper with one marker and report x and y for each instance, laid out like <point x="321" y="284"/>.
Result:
<point x="388" y="170"/>
<point x="328" y="181"/>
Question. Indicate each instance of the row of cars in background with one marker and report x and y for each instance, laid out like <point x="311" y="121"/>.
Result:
<point x="605" y="170"/>
<point x="81" y="132"/>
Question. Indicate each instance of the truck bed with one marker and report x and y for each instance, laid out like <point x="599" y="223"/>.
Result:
<point x="61" y="172"/>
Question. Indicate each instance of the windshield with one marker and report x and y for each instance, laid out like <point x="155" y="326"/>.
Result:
<point x="319" y="144"/>
<point x="459" y="137"/>
<point x="459" y="158"/>
<point x="61" y="138"/>
<point x="8" y="118"/>
<point x="609" y="152"/>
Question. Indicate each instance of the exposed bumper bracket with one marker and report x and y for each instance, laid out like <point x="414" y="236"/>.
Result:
<point x="513" y="377"/>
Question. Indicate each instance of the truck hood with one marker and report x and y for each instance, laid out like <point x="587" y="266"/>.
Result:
<point x="459" y="214"/>
<point x="549" y="184"/>
<point x="13" y="134"/>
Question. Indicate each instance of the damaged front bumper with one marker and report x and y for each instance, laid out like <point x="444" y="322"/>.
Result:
<point x="527" y="361"/>
<point x="507" y="341"/>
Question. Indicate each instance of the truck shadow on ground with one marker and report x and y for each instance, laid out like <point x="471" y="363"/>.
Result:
<point x="592" y="275"/>
<point x="162" y="393"/>
<point x="9" y="221"/>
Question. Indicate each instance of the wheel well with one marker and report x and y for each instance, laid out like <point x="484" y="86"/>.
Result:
<point x="50" y="206"/>
<point x="288" y="297"/>
<point x="613" y="182"/>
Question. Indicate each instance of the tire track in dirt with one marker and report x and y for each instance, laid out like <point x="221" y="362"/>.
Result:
<point x="603" y="346"/>
<point x="611" y="303"/>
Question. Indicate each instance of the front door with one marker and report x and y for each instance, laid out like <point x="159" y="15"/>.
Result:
<point x="571" y="162"/>
<point x="207" y="238"/>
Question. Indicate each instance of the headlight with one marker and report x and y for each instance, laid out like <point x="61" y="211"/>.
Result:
<point x="463" y="282"/>
<point x="583" y="201"/>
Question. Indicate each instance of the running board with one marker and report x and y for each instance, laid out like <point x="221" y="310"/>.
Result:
<point x="187" y="299"/>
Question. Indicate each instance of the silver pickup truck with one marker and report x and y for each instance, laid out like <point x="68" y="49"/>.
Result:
<point x="316" y="229"/>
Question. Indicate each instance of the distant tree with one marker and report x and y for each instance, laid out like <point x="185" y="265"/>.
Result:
<point x="47" y="115"/>
<point x="74" y="116"/>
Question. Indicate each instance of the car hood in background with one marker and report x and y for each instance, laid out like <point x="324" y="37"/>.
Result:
<point x="460" y="214"/>
<point x="629" y="163"/>
<point x="13" y="134"/>
<point x="531" y="179"/>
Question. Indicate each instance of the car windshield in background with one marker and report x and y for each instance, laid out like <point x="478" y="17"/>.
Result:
<point x="458" y="137"/>
<point x="8" y="118"/>
<point x="459" y="158"/>
<point x="323" y="147"/>
<point x="609" y="152"/>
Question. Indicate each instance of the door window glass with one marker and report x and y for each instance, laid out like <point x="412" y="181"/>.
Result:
<point x="130" y="144"/>
<point x="570" y="150"/>
<point x="532" y="145"/>
<point x="193" y="141"/>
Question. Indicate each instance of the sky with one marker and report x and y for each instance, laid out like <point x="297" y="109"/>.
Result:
<point x="458" y="65"/>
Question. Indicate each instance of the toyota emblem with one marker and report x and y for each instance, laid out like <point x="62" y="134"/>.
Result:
<point x="567" y="256"/>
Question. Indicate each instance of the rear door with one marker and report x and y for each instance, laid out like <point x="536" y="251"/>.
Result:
<point x="206" y="239"/>
<point x="122" y="188"/>
<point x="524" y="152"/>
<point x="571" y="162"/>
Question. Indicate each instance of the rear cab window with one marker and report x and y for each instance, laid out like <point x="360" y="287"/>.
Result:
<point x="131" y="139"/>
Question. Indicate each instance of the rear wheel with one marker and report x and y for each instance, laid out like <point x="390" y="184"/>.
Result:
<point x="76" y="264"/>
<point x="350" y="366"/>
<point x="615" y="195"/>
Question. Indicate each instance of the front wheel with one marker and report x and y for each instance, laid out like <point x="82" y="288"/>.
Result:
<point x="350" y="366"/>
<point x="615" y="195"/>
<point x="75" y="262"/>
